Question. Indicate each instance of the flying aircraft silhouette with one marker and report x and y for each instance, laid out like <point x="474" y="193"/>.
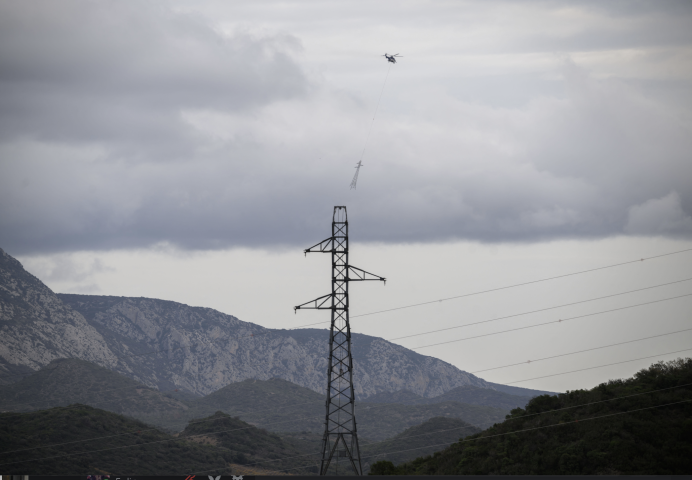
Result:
<point x="391" y="58"/>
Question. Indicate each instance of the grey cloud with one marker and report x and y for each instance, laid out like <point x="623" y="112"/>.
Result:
<point x="659" y="216"/>
<point x="65" y="268"/>
<point x="121" y="73"/>
<point x="262" y="152"/>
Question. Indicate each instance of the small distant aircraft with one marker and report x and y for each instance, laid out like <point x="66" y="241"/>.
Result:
<point x="391" y="58"/>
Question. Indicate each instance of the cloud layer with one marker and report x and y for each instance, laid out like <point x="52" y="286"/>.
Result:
<point x="125" y="125"/>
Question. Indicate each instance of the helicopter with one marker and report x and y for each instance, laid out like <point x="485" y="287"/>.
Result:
<point x="390" y="58"/>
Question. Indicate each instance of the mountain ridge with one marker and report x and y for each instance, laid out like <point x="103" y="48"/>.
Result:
<point x="169" y="345"/>
<point x="276" y="404"/>
<point x="464" y="394"/>
<point x="226" y="344"/>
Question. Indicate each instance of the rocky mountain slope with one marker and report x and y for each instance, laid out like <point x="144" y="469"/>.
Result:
<point x="36" y="327"/>
<point x="169" y="345"/>
<point x="202" y="350"/>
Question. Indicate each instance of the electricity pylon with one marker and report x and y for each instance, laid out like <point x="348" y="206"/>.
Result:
<point x="340" y="433"/>
<point x="355" y="177"/>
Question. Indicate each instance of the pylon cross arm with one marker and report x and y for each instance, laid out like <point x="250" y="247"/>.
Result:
<point x="360" y="275"/>
<point x="317" y="304"/>
<point x="325" y="246"/>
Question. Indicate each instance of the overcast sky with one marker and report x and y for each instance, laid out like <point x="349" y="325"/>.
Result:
<point x="189" y="150"/>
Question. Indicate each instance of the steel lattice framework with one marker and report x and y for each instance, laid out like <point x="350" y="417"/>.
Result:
<point x="340" y="434"/>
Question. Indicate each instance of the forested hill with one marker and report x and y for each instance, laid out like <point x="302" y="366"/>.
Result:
<point x="81" y="440"/>
<point x="638" y="426"/>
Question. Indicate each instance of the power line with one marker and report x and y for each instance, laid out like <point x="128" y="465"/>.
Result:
<point x="534" y="311"/>
<point x="523" y="284"/>
<point x="501" y="318"/>
<point x="581" y="351"/>
<point x="599" y="366"/>
<point x="551" y="322"/>
<point x="541" y="310"/>
<point x="430" y="302"/>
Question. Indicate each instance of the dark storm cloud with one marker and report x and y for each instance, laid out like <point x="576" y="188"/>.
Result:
<point x="121" y="72"/>
<point x="124" y="125"/>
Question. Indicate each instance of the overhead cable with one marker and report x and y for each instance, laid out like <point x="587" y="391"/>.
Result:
<point x="549" y="323"/>
<point x="599" y="366"/>
<point x="524" y="283"/>
<point x="541" y="310"/>
<point x="581" y="351"/>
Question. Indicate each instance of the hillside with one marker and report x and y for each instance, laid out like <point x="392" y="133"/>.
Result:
<point x="79" y="439"/>
<point x="464" y="394"/>
<point x="382" y="421"/>
<point x="251" y="446"/>
<point x="67" y="381"/>
<point x="276" y="404"/>
<point x="76" y="433"/>
<point x="281" y="406"/>
<point x="615" y="428"/>
<point x="424" y="439"/>
<point x="519" y="391"/>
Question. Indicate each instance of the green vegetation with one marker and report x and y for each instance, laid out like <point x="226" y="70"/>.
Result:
<point x="424" y="439"/>
<point x="382" y="421"/>
<point x="250" y="445"/>
<point x="83" y="440"/>
<point x="615" y="428"/>
<point x="77" y="433"/>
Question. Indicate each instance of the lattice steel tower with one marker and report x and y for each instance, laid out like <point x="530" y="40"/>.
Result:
<point x="340" y="434"/>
